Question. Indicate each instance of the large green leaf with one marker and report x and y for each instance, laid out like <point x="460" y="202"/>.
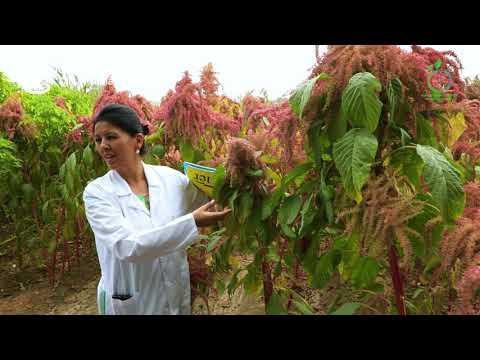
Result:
<point x="298" y="171"/>
<point x="425" y="134"/>
<point x="347" y="309"/>
<point x="219" y="182"/>
<point x="71" y="163"/>
<point x="246" y="203"/>
<point x="69" y="181"/>
<point x="325" y="268"/>
<point x="302" y="95"/>
<point x="187" y="151"/>
<point x="360" y="101"/>
<point x="87" y="157"/>
<point x="287" y="231"/>
<point x="158" y="150"/>
<point x="364" y="272"/>
<point x="314" y="142"/>
<point x="354" y="155"/>
<point x="394" y="94"/>
<point x="303" y="308"/>
<point x="28" y="192"/>
<point x="269" y="205"/>
<point x="289" y="209"/>
<point x="443" y="182"/>
<point x="407" y="162"/>
<point x="275" y="306"/>
<point x="336" y="124"/>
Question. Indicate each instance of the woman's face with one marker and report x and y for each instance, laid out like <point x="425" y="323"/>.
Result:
<point x="116" y="147"/>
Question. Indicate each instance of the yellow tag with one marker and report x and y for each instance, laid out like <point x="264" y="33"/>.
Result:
<point x="201" y="176"/>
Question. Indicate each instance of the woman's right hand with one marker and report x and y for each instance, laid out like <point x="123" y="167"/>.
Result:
<point x="204" y="217"/>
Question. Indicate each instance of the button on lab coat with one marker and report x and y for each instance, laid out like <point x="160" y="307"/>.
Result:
<point x="142" y="253"/>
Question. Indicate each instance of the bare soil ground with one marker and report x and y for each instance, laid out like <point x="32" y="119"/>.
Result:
<point x="27" y="292"/>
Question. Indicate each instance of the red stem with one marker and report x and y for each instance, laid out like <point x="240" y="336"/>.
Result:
<point x="283" y="248"/>
<point x="295" y="277"/>
<point x="396" y="278"/>
<point x="57" y="237"/>
<point x="267" y="282"/>
<point x="66" y="254"/>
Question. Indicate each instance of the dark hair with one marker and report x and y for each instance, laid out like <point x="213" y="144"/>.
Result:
<point x="124" y="118"/>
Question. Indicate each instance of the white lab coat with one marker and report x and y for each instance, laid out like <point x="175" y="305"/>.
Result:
<point x="143" y="253"/>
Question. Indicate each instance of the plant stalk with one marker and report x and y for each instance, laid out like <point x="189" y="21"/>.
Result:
<point x="396" y="276"/>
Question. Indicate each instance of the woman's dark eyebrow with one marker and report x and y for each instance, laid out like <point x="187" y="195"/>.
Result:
<point x="108" y="133"/>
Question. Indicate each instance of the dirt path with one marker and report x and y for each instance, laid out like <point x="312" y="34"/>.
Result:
<point x="27" y="292"/>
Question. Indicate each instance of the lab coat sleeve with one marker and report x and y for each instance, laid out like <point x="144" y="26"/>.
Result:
<point x="130" y="244"/>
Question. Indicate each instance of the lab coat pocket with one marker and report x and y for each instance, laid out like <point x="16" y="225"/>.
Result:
<point x="125" y="307"/>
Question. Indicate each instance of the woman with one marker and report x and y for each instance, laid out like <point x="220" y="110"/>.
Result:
<point x="143" y="218"/>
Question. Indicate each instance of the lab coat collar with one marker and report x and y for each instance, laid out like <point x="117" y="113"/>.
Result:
<point x="122" y="188"/>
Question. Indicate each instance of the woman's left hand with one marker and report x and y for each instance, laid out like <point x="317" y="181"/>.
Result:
<point x="204" y="217"/>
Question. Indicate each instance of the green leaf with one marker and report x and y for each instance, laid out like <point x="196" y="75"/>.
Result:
<point x="219" y="182"/>
<point x="220" y="286"/>
<point x="456" y="128"/>
<point x="158" y="150"/>
<point x="71" y="163"/>
<point x="443" y="182"/>
<point x="234" y="283"/>
<point x="256" y="173"/>
<point x="214" y="238"/>
<point x="325" y="268"/>
<point x="407" y="162"/>
<point x="251" y="280"/>
<point x="347" y="309"/>
<point x="302" y="95"/>
<point x="69" y="182"/>
<point x="434" y="262"/>
<point x="302" y="308"/>
<point x="198" y="156"/>
<point x="425" y="133"/>
<point x="364" y="272"/>
<point x="87" y="156"/>
<point x="416" y="293"/>
<point x="327" y="194"/>
<point x="360" y="101"/>
<point x="28" y="193"/>
<point x="45" y="212"/>
<point x="336" y="124"/>
<point x="231" y="201"/>
<point x="287" y="231"/>
<point x="354" y="155"/>
<point x="314" y="145"/>
<point x="273" y="175"/>
<point x="289" y="209"/>
<point x="298" y="171"/>
<point x="186" y="150"/>
<point x="275" y="306"/>
<point x="394" y="94"/>
<point x="271" y="203"/>
<point x="245" y="207"/>
<point x="68" y="231"/>
<point x="405" y="137"/>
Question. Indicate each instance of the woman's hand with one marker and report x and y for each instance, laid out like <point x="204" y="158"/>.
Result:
<point x="204" y="217"/>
